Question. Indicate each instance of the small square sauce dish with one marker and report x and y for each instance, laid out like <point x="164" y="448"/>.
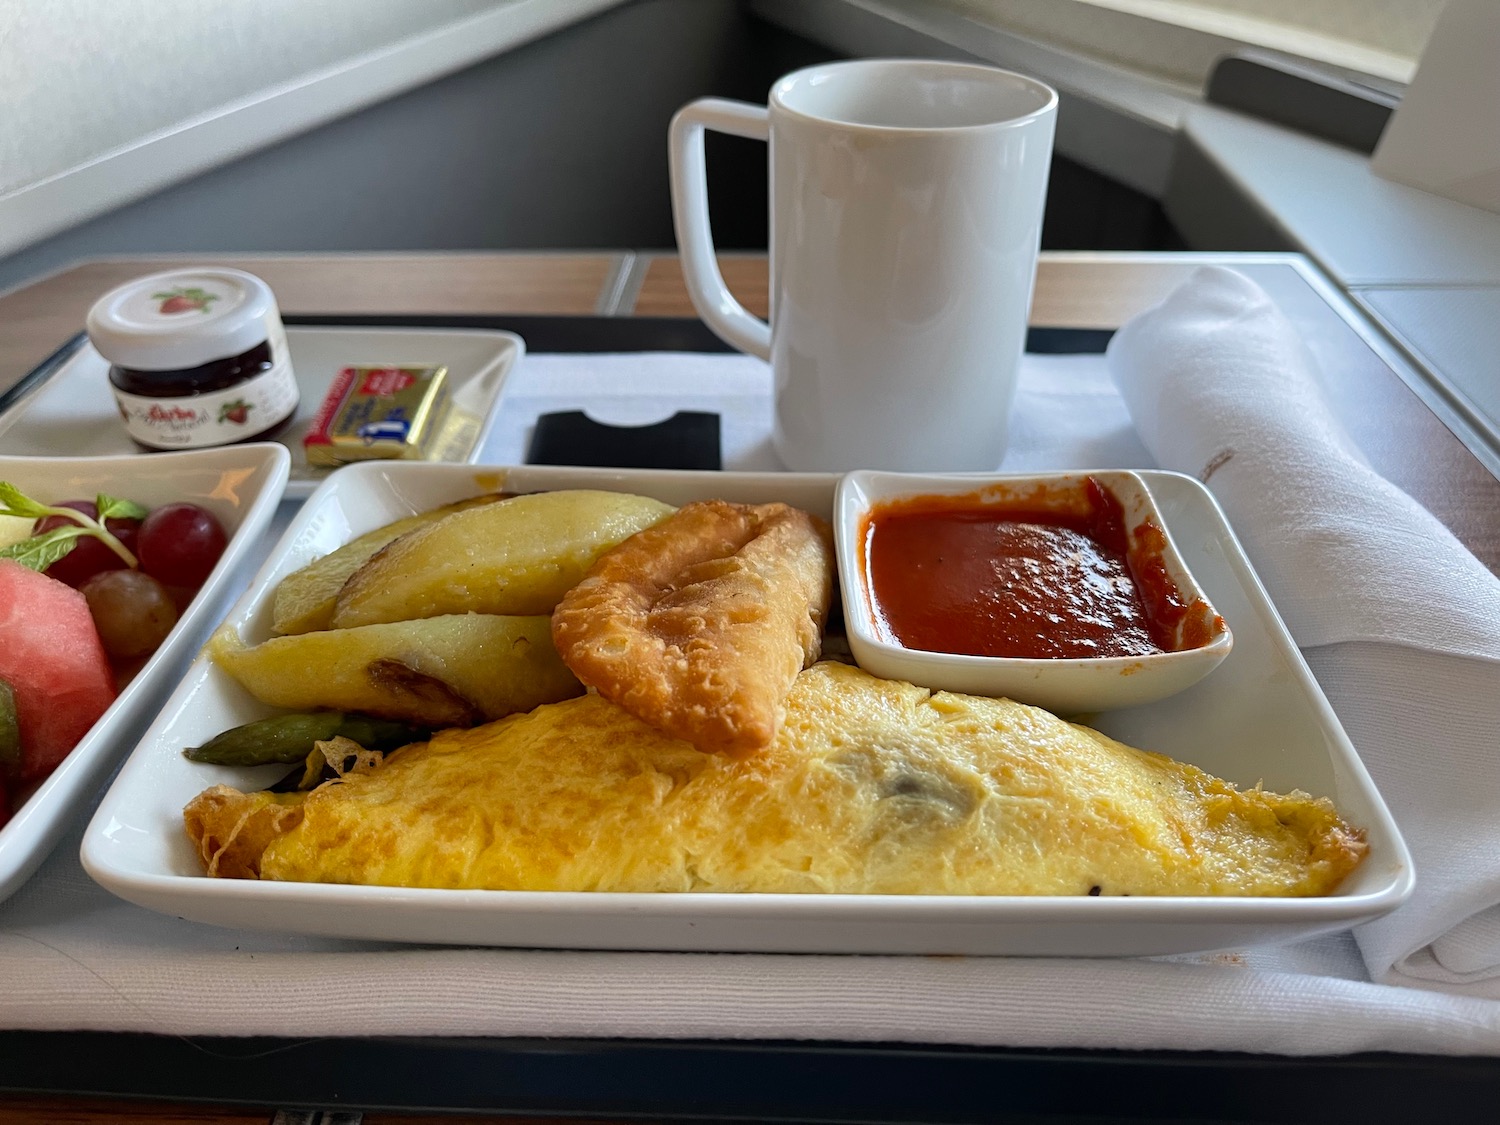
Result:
<point x="1061" y="590"/>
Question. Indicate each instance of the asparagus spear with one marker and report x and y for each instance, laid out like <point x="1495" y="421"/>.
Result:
<point x="290" y="738"/>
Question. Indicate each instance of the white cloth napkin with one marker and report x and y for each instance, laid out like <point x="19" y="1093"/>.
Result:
<point x="1400" y="623"/>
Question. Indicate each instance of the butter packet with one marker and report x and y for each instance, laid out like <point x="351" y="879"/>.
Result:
<point x="379" y="412"/>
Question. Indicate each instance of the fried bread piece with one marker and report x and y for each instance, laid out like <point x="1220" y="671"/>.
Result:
<point x="699" y="624"/>
<point x="872" y="787"/>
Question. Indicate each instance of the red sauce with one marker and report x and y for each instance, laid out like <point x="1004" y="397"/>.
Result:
<point x="960" y="574"/>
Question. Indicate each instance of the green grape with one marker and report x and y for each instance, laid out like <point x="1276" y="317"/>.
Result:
<point x="132" y="611"/>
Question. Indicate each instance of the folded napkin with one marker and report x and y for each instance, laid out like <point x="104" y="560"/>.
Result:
<point x="1220" y="386"/>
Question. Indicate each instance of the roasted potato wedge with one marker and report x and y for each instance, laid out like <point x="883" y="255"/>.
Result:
<point x="304" y="599"/>
<point x="438" y="672"/>
<point x="515" y="557"/>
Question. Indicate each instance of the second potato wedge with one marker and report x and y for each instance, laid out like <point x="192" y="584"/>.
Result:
<point x="438" y="672"/>
<point x="305" y="598"/>
<point x="517" y="556"/>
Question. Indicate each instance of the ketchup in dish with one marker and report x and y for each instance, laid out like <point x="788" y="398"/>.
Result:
<point x="1036" y="579"/>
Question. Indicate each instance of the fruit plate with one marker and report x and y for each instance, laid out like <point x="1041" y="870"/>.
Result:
<point x="1259" y="717"/>
<point x="241" y="485"/>
<point x="72" y="411"/>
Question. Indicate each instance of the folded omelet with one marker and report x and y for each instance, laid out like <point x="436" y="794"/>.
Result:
<point x="871" y="787"/>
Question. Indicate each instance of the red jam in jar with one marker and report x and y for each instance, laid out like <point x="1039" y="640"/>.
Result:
<point x="198" y="357"/>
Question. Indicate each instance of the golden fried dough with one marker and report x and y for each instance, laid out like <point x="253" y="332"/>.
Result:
<point x="872" y="787"/>
<point x="699" y="624"/>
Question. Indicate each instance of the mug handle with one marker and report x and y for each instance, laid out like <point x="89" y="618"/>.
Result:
<point x="695" y="244"/>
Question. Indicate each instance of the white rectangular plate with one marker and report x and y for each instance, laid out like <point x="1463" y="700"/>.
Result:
<point x="73" y="412"/>
<point x="1259" y="717"/>
<point x="241" y="485"/>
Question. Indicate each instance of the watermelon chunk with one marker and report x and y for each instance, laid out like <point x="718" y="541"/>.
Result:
<point x="51" y="656"/>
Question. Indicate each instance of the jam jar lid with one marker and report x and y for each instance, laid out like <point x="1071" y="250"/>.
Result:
<point x="183" y="318"/>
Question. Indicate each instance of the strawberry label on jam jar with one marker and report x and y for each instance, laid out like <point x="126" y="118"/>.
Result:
<point x="215" y="418"/>
<point x="181" y="300"/>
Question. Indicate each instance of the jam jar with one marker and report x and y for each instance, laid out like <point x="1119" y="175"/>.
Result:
<point x="198" y="357"/>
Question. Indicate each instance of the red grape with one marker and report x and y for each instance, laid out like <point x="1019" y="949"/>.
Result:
<point x="89" y="555"/>
<point x="132" y="611"/>
<point x="179" y="544"/>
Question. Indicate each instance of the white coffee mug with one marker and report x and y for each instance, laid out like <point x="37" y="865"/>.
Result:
<point x="906" y="211"/>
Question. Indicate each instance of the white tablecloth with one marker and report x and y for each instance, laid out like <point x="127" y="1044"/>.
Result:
<point x="72" y="956"/>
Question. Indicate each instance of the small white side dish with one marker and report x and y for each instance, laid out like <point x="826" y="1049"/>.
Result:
<point x="241" y="485"/>
<point x="73" y="412"/>
<point x="1062" y="685"/>
<point x="1260" y="718"/>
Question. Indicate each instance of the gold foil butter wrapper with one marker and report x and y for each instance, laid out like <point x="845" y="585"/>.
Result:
<point x="385" y="412"/>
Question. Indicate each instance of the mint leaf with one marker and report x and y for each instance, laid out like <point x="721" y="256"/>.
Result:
<point x="112" y="508"/>
<point x="14" y="502"/>
<point x="41" y="551"/>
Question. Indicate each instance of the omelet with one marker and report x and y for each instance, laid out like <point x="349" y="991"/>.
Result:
<point x="871" y="787"/>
